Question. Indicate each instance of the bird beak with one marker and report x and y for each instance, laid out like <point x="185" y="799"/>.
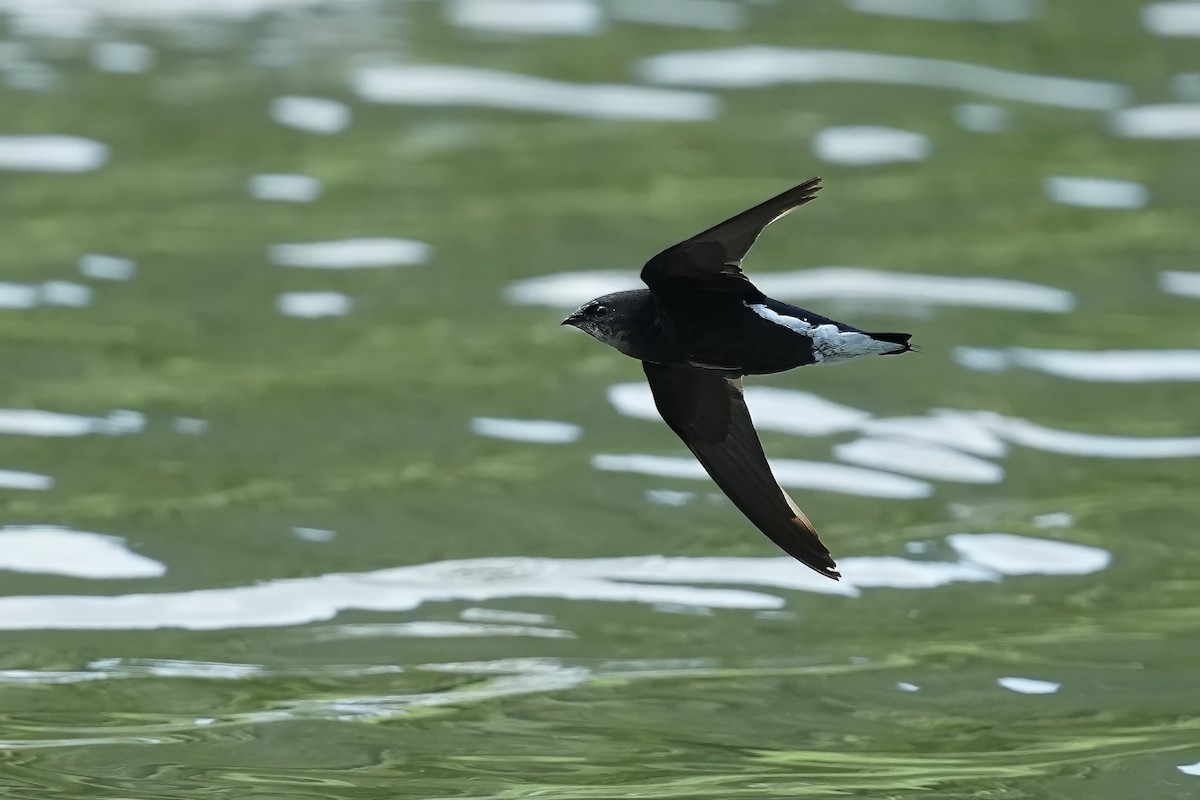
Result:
<point x="571" y="320"/>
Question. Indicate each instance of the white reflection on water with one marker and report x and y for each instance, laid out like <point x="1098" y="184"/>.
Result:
<point x="314" y="305"/>
<point x="351" y="253"/>
<point x="1184" y="284"/>
<point x="862" y="145"/>
<point x="51" y="153"/>
<point x="15" y="479"/>
<point x="922" y="459"/>
<point x="79" y="554"/>
<point x="476" y="614"/>
<point x="284" y="187"/>
<point x="1095" y="192"/>
<point x="952" y="429"/>
<point x="436" y="629"/>
<point x="1166" y="121"/>
<point x="579" y="17"/>
<point x="950" y="10"/>
<point x="716" y="15"/>
<point x="310" y="114"/>
<point x="34" y="422"/>
<point x="981" y="117"/>
<point x="1172" y="18"/>
<point x="571" y="289"/>
<point x="469" y="86"/>
<point x="1189" y="769"/>
<point x="784" y="410"/>
<point x="106" y="268"/>
<point x="1027" y="434"/>
<point x="641" y="579"/>
<point x="756" y="65"/>
<point x="1028" y="685"/>
<point x="123" y="58"/>
<point x="1111" y="366"/>
<point x="542" y="431"/>
<point x="790" y="473"/>
<point x="65" y="293"/>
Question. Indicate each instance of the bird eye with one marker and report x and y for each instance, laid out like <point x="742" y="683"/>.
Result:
<point x="600" y="311"/>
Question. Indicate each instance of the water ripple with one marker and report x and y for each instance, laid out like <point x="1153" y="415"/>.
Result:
<point x="754" y="66"/>
<point x="1109" y="366"/>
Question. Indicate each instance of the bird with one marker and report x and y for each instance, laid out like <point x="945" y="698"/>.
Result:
<point x="698" y="328"/>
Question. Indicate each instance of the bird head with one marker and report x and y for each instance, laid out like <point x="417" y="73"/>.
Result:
<point x="609" y="319"/>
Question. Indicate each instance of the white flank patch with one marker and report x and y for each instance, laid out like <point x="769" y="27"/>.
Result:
<point x="311" y="114"/>
<point x="351" y="253"/>
<point x="284" y="187"/>
<point x="1172" y="19"/>
<point x="1028" y="685"/>
<point x="830" y="344"/>
<point x="1166" y="121"/>
<point x="1095" y="192"/>
<point x="542" y="431"/>
<point x="758" y="65"/>
<point x="51" y="154"/>
<point x="59" y="551"/>
<point x="313" y="305"/>
<point x="572" y="17"/>
<point x="864" y="145"/>
<point x="428" y="85"/>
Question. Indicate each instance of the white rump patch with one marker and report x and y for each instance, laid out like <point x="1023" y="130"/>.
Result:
<point x="830" y="344"/>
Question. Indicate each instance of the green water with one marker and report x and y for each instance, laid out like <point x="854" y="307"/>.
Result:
<point x="361" y="425"/>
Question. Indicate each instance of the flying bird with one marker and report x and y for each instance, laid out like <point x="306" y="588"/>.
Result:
<point x="698" y="328"/>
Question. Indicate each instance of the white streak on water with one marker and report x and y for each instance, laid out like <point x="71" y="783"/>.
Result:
<point x="437" y="629"/>
<point x="863" y="145"/>
<point x="106" y="268"/>
<point x="59" y="551"/>
<point x="981" y="117"/>
<point x="18" y="295"/>
<point x="757" y="65"/>
<point x="716" y="15"/>
<point x="428" y="85"/>
<point x="1054" y="519"/>
<point x="33" y="422"/>
<point x="1189" y="769"/>
<point x="650" y="580"/>
<point x="313" y="305"/>
<point x="476" y="614"/>
<point x="15" y="479"/>
<point x="669" y="497"/>
<point x="1095" y="192"/>
<point x="856" y="283"/>
<point x="773" y="409"/>
<point x="1023" y="555"/>
<point x="124" y="58"/>
<point x="1166" y="121"/>
<point x="1184" y="284"/>
<point x="1109" y="366"/>
<point x="572" y="289"/>
<point x="310" y="114"/>
<point x="959" y="430"/>
<point x="65" y="293"/>
<point x="1172" y="18"/>
<point x="51" y="153"/>
<point x="1028" y="685"/>
<point x="950" y="10"/>
<point x="922" y="459"/>
<point x="790" y="473"/>
<point x="577" y="17"/>
<point x="351" y="253"/>
<point x="542" y="431"/>
<point x="1027" y="434"/>
<point x="284" y="187"/>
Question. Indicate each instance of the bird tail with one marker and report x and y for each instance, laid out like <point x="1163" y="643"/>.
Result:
<point x="895" y="338"/>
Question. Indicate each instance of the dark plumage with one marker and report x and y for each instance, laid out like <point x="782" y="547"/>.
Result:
<point x="699" y="327"/>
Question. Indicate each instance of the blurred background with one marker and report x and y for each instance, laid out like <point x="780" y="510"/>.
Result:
<point x="307" y="495"/>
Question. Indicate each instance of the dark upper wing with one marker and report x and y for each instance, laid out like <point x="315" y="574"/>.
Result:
<point x="712" y="261"/>
<point x="708" y="412"/>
